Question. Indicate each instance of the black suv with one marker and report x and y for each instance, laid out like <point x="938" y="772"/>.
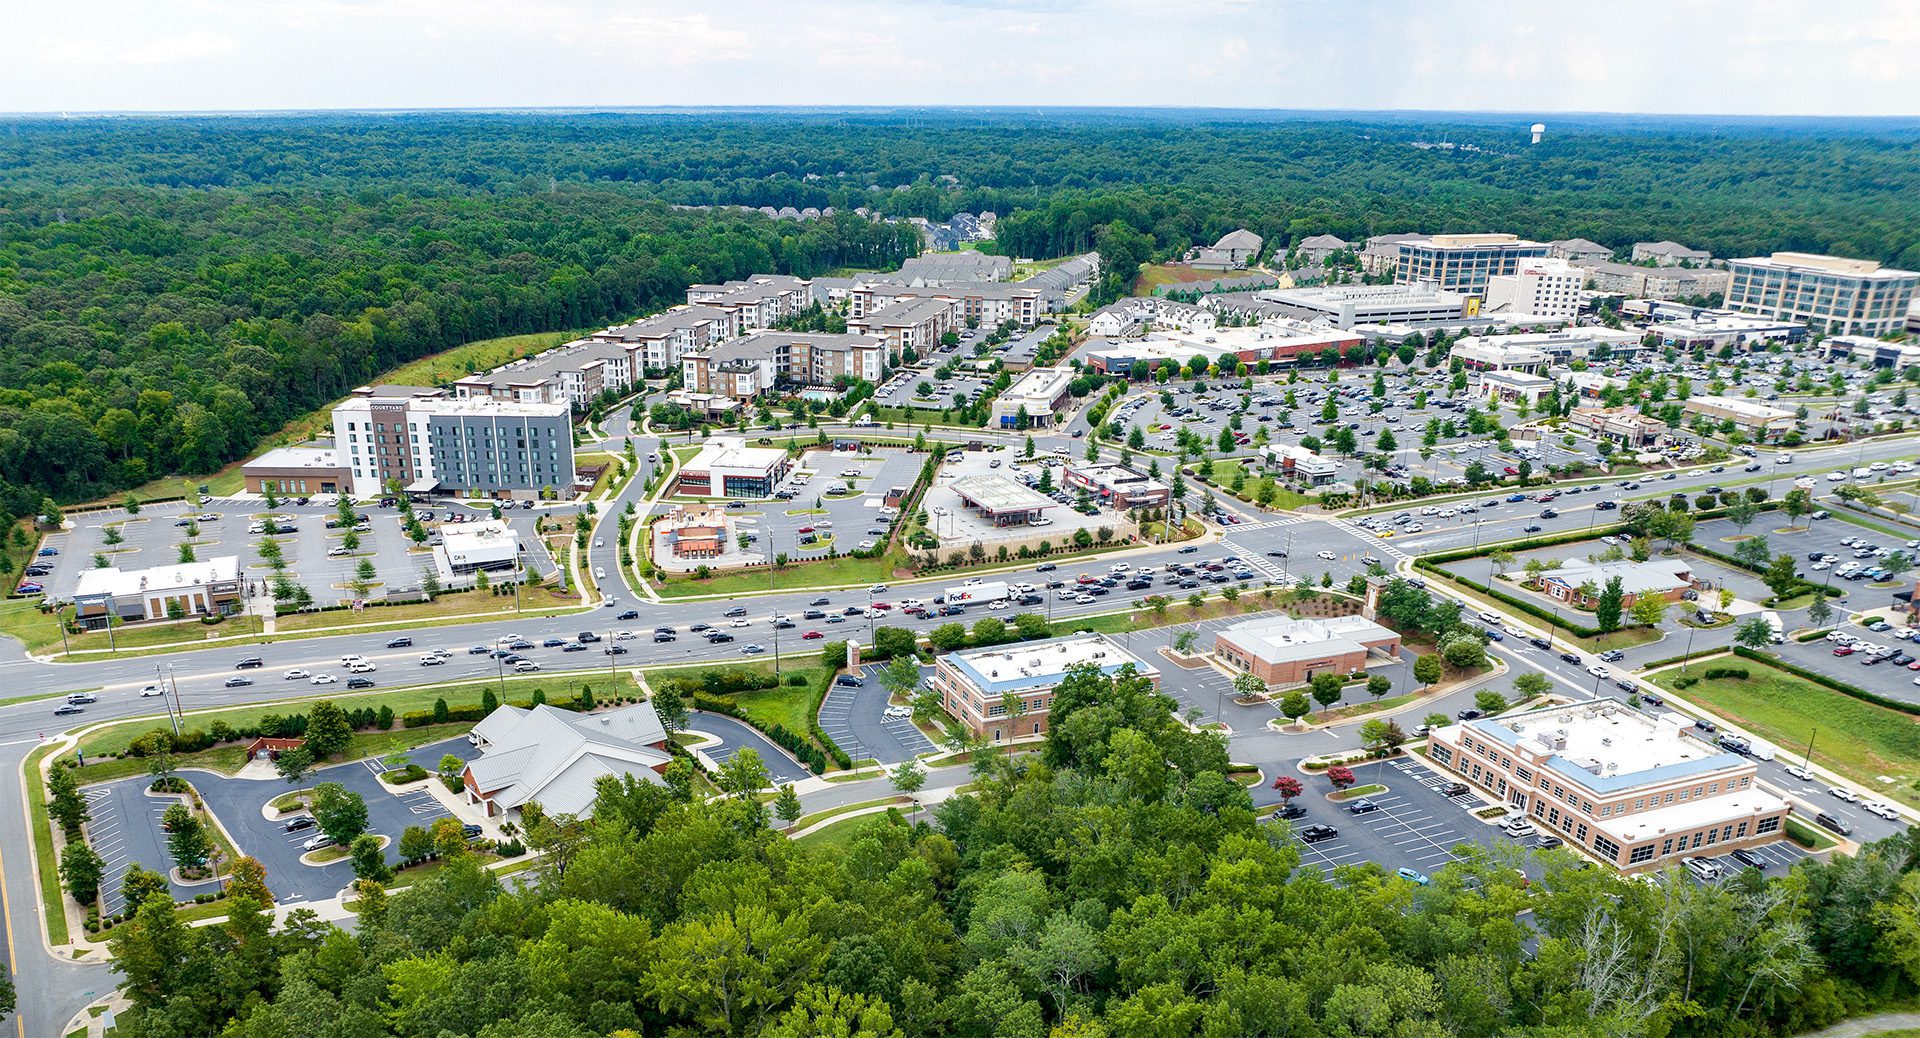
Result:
<point x="848" y="681"/>
<point x="402" y="642"/>
<point x="249" y="662"/>
<point x="294" y="825"/>
<point x="631" y="614"/>
<point x="1291" y="811"/>
<point x="1749" y="859"/>
<point x="1540" y="643"/>
<point x="359" y="682"/>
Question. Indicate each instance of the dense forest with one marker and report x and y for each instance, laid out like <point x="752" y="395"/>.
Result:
<point x="173" y="288"/>
<point x="1114" y="883"/>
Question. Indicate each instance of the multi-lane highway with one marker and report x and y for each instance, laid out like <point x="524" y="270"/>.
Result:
<point x="50" y="988"/>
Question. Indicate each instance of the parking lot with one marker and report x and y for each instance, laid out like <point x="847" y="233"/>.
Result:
<point x="221" y="527"/>
<point x="956" y="524"/>
<point x="1416" y="826"/>
<point x="855" y="719"/>
<point x="903" y="390"/>
<point x="735" y="736"/>
<point x="816" y="520"/>
<point x="126" y="826"/>
<point x="1210" y="691"/>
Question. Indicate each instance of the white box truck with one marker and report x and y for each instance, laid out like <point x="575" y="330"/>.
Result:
<point x="1779" y="630"/>
<point x="977" y="594"/>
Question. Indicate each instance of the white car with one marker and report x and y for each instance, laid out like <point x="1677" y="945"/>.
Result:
<point x="598" y="543"/>
<point x="624" y="636"/>
<point x="1327" y="555"/>
<point x="897" y="711"/>
<point x="1843" y="793"/>
<point x="1599" y="671"/>
<point x="740" y="621"/>
<point x="353" y="658"/>
<point x="360" y="667"/>
<point x="877" y="589"/>
<point x="431" y="661"/>
<point x="908" y="603"/>
<point x="1886" y="811"/>
<point x="1088" y="600"/>
<point x="316" y="842"/>
<point x="599" y="573"/>
<point x="526" y="666"/>
<point x="322" y="679"/>
<point x="293" y="675"/>
<point x="1799" y="772"/>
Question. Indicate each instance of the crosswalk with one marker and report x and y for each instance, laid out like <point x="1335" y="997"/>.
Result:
<point x="1262" y="565"/>
<point x="1368" y="535"/>
<point x="1272" y="524"/>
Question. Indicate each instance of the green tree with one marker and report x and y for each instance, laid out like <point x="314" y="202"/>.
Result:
<point x="1532" y="684"/>
<point x="339" y="812"/>
<point x="293" y="764"/>
<point x="80" y="872"/>
<point x="329" y="732"/>
<point x="1427" y="669"/>
<point x="1607" y="608"/>
<point x="1488" y="701"/>
<point x="908" y="777"/>
<point x="1781" y="577"/>
<point x="1818" y="611"/>
<point x="187" y="841"/>
<point x="1326" y="688"/>
<point x="369" y="861"/>
<point x="786" y="805"/>
<point x="1753" y="633"/>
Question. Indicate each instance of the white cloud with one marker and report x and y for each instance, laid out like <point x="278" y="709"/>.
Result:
<point x="164" y="50"/>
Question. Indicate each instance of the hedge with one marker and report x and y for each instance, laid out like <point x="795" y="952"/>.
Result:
<point x="805" y="751"/>
<point x="1826" y="682"/>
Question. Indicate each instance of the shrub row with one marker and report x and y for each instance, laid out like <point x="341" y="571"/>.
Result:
<point x="1826" y="682"/>
<point x="812" y="756"/>
<point x="422" y="718"/>
<point x="1518" y="603"/>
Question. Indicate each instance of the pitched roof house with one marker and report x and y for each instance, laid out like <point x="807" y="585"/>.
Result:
<point x="555" y="756"/>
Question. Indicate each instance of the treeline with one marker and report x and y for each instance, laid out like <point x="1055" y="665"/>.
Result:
<point x="1116" y="883"/>
<point x="145" y="332"/>
<point x="172" y="288"/>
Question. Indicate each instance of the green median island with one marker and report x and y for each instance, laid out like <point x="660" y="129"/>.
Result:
<point x="1856" y="738"/>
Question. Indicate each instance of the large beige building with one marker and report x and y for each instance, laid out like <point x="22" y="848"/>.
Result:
<point x="1634" y="791"/>
<point x="1829" y="294"/>
<point x="1004" y="693"/>
<point x="1748" y="416"/>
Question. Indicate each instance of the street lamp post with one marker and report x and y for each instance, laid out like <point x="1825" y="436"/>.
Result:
<point x="1688" y="654"/>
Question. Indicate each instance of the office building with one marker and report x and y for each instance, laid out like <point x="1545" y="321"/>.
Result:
<point x="1119" y="486"/>
<point x="744" y="368"/>
<point x="1035" y="401"/>
<point x="1547" y="288"/>
<point x="1463" y="263"/>
<point x="727" y="467"/>
<point x="1758" y="420"/>
<point x="1300" y="464"/>
<point x="1004" y="694"/>
<point x="1829" y="294"/>
<point x="1633" y="791"/>
<point x="1284" y="650"/>
<point x="423" y="441"/>
<point x="186" y="589"/>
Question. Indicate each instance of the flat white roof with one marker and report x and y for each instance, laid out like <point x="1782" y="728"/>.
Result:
<point x="1276" y="639"/>
<point x="132" y="583"/>
<point x="488" y="535"/>
<point x="998" y="494"/>
<point x="1042" y="664"/>
<point x="1749" y="408"/>
<point x="1641" y="826"/>
<point x="731" y="452"/>
<point x="1041" y="384"/>
<point x="1608" y="746"/>
<point x="298" y="458"/>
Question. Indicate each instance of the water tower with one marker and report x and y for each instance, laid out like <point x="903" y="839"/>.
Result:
<point x="1538" y="129"/>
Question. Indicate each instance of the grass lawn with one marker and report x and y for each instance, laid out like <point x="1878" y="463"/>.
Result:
<point x="1222" y="478"/>
<point x="1356" y="792"/>
<point x="837" y="836"/>
<point x="1368" y="707"/>
<point x="452" y="605"/>
<point x="845" y="570"/>
<point x="433" y="370"/>
<point x="559" y="688"/>
<point x="52" y="898"/>
<point x="789" y="706"/>
<point x="1857" y="739"/>
<point x="820" y="816"/>
<point x="1811" y="837"/>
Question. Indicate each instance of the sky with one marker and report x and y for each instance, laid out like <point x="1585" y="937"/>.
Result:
<point x="1746" y="57"/>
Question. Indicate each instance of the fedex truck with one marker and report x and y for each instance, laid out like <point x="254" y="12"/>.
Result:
<point x="977" y="594"/>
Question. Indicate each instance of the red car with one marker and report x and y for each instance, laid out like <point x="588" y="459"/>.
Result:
<point x="810" y="635"/>
<point x="1511" y="471"/>
<point x="805" y="529"/>
<point x="1844" y="650"/>
<point x="882" y="606"/>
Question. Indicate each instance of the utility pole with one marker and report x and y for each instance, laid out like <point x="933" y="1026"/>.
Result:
<point x="179" y="708"/>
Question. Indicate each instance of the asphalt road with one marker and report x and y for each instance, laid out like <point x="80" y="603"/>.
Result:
<point x="50" y="990"/>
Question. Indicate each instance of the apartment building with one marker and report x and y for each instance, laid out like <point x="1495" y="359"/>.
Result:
<point x="1463" y="263"/>
<point x="1669" y="254"/>
<point x="753" y="364"/>
<point x="984" y="304"/>
<point x="910" y="324"/>
<point x="1381" y="253"/>
<point x="1829" y="294"/>
<point x="1319" y="248"/>
<point x="1005" y="693"/>
<point x="424" y="440"/>
<point x="756" y="302"/>
<point x="661" y="340"/>
<point x="1579" y="251"/>
<point x="1634" y="791"/>
<point x="966" y="266"/>
<point x="1542" y="287"/>
<point x="574" y="374"/>
<point x="1656" y="282"/>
